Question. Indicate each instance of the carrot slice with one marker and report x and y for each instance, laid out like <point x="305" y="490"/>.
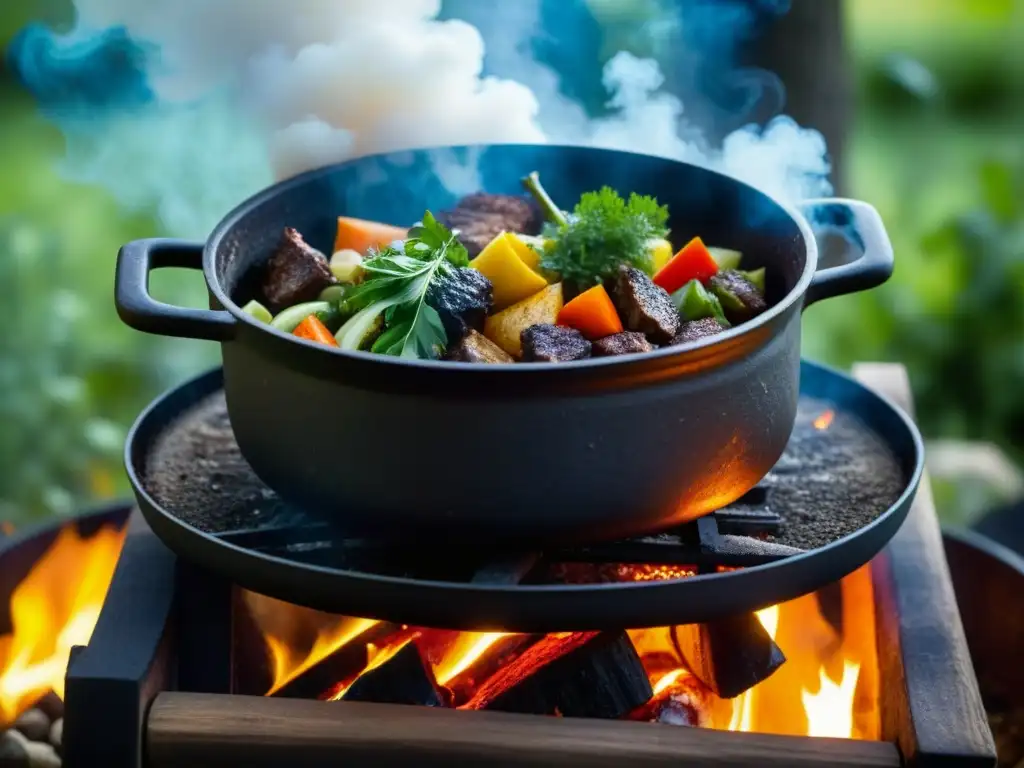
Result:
<point x="693" y="262"/>
<point x="311" y="328"/>
<point x="362" y="234"/>
<point x="592" y="313"/>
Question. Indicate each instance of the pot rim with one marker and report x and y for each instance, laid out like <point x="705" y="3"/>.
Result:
<point x="717" y="349"/>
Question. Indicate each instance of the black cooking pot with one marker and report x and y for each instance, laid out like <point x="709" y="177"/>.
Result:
<point x="587" y="450"/>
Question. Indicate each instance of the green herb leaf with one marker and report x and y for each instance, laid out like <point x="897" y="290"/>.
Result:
<point x="396" y="286"/>
<point x="603" y="232"/>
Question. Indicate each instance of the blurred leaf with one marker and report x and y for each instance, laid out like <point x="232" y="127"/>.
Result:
<point x="999" y="191"/>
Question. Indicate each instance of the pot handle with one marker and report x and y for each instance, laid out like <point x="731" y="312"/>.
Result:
<point x="873" y="268"/>
<point x="139" y="310"/>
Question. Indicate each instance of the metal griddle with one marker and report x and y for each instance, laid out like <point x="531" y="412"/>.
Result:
<point x="307" y="562"/>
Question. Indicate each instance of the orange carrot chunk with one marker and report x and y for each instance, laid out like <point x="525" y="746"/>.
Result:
<point x="592" y="313"/>
<point x="693" y="262"/>
<point x="362" y="234"/>
<point x="311" y="328"/>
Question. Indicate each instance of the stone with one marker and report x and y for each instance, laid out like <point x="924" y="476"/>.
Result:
<point x="34" y="725"/>
<point x="13" y="752"/>
<point x="57" y="735"/>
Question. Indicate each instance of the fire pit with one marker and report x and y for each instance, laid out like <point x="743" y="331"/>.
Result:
<point x="53" y="581"/>
<point x="863" y="666"/>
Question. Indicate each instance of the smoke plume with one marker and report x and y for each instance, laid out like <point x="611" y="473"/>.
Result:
<point x="188" y="106"/>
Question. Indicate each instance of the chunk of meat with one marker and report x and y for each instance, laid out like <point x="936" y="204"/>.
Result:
<point x="474" y="347"/>
<point x="644" y="306"/>
<point x="463" y="299"/>
<point x="625" y="343"/>
<point x="553" y="344"/>
<point x="740" y="298"/>
<point x="698" y="329"/>
<point x="297" y="272"/>
<point x="481" y="217"/>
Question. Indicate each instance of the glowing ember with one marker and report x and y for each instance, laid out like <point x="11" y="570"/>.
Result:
<point x="824" y="421"/>
<point x="55" y="607"/>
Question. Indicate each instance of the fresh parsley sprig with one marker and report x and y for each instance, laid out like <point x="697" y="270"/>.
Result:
<point x="602" y="232"/>
<point x="394" y="291"/>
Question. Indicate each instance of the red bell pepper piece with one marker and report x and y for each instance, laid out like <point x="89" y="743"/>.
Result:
<point x="693" y="262"/>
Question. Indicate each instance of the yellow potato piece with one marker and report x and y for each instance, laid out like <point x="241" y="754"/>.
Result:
<point x="512" y="278"/>
<point x="521" y="245"/>
<point x="661" y="252"/>
<point x="506" y="327"/>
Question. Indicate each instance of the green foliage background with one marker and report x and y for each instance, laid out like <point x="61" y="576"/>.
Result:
<point x="938" y="147"/>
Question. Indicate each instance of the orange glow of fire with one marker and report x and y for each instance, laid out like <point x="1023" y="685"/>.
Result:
<point x="827" y="687"/>
<point x="824" y="420"/>
<point x="53" y="608"/>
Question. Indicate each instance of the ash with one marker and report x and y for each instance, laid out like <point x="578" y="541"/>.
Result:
<point x="828" y="483"/>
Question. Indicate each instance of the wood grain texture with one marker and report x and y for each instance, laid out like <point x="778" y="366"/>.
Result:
<point x="205" y="730"/>
<point x="931" y="705"/>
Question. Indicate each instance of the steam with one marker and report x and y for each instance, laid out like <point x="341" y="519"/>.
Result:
<point x="187" y="107"/>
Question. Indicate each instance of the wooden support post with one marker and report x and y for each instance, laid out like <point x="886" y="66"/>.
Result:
<point x="931" y="705"/>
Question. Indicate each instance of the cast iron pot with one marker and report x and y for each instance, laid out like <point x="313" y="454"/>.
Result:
<point x="580" y="451"/>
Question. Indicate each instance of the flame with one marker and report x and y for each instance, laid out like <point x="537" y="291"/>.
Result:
<point x="828" y="685"/>
<point x="824" y="421"/>
<point x="53" y="608"/>
<point x="830" y="710"/>
<point x="466" y="651"/>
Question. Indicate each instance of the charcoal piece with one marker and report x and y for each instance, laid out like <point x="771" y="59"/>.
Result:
<point x="481" y="217"/>
<point x="437" y="647"/>
<point x="697" y="329"/>
<point x="544" y="343"/>
<point x="402" y="679"/>
<point x="729" y="655"/>
<point x="462" y="299"/>
<point x="474" y="347"/>
<point x="320" y="678"/>
<point x="739" y="297"/>
<point x="644" y="306"/>
<point x="297" y="272"/>
<point x="625" y="343"/>
<point x="583" y="674"/>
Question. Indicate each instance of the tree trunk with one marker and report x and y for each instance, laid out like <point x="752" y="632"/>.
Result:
<point x="806" y="48"/>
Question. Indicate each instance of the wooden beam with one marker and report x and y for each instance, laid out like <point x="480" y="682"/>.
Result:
<point x="206" y="730"/>
<point x="111" y="681"/>
<point x="931" y="704"/>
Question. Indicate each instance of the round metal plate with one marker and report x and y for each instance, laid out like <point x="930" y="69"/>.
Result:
<point x="539" y="608"/>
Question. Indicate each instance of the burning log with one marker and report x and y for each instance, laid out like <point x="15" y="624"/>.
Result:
<point x="730" y="655"/>
<point x="403" y="679"/>
<point x="679" y="699"/>
<point x="315" y="682"/>
<point x="462" y="661"/>
<point x="583" y="674"/>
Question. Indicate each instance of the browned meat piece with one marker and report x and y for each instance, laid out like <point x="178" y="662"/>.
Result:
<point x="477" y="348"/>
<point x="553" y="344"/>
<point x="698" y="329"/>
<point x="297" y="272"/>
<point x="480" y="217"/>
<point x="739" y="297"/>
<point x="625" y="343"/>
<point x="644" y="306"/>
<point x="462" y="299"/>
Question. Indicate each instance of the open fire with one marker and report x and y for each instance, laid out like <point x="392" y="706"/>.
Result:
<point x="52" y="609"/>
<point x="826" y="687"/>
